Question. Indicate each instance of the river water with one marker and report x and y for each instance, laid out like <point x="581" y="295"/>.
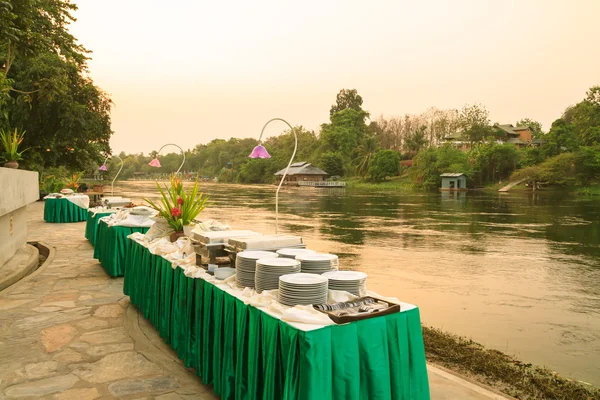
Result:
<point x="516" y="272"/>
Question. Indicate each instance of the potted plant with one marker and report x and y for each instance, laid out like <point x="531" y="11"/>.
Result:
<point x="10" y="144"/>
<point x="179" y="206"/>
<point x="73" y="181"/>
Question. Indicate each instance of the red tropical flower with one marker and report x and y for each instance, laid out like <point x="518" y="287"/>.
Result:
<point x="179" y="201"/>
<point x="176" y="212"/>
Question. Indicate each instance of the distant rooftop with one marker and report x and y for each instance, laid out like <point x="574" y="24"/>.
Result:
<point x="302" y="168"/>
<point x="510" y="129"/>
<point x="452" y="174"/>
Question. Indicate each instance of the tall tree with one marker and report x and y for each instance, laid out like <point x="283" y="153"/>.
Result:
<point x="365" y="153"/>
<point x="44" y="86"/>
<point x="474" y="121"/>
<point x="347" y="98"/>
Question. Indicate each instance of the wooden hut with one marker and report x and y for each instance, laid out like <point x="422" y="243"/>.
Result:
<point x="302" y="172"/>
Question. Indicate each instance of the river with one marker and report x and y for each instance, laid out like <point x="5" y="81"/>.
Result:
<point x="519" y="273"/>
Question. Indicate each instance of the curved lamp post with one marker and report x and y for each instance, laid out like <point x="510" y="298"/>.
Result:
<point x="156" y="163"/>
<point x="103" y="168"/>
<point x="260" y="152"/>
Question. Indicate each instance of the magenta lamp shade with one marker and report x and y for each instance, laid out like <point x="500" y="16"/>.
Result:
<point x="259" y="152"/>
<point x="103" y="168"/>
<point x="154" y="163"/>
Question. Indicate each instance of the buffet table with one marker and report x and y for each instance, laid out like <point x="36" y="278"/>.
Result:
<point x="247" y="353"/>
<point x="111" y="244"/>
<point x="62" y="209"/>
<point x="91" y="226"/>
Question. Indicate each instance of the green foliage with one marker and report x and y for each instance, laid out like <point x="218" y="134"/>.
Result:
<point x="332" y="163"/>
<point x="416" y="140"/>
<point x="179" y="206"/>
<point x="385" y="163"/>
<point x="11" y="140"/>
<point x="475" y="123"/>
<point x="45" y="88"/>
<point x="430" y="163"/>
<point x="365" y="153"/>
<point x="347" y="99"/>
<point x="557" y="170"/>
<point x="344" y="133"/>
<point x="491" y="162"/>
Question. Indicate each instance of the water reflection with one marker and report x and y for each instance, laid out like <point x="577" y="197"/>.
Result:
<point x="517" y="272"/>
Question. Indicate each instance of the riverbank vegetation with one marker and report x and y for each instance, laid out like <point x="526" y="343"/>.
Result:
<point x="374" y="155"/>
<point x="501" y="371"/>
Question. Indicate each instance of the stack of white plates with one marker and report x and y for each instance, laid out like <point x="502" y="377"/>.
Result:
<point x="350" y="281"/>
<point x="245" y="266"/>
<point x="292" y="253"/>
<point x="318" y="263"/>
<point x="268" y="271"/>
<point x="302" y="289"/>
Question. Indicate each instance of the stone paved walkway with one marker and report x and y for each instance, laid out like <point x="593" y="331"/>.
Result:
<point x="68" y="332"/>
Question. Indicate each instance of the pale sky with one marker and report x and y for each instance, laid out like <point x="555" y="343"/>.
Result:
<point x="192" y="71"/>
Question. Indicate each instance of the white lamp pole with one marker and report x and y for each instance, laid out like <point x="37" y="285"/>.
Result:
<point x="260" y="152"/>
<point x="103" y="168"/>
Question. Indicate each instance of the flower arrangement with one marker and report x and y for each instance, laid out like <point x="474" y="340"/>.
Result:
<point x="73" y="181"/>
<point x="177" y="205"/>
<point x="10" y="143"/>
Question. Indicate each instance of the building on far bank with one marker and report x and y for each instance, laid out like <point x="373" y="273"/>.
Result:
<point x="302" y="171"/>
<point x="454" y="182"/>
<point x="520" y="136"/>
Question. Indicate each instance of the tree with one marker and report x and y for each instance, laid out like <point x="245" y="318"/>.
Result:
<point x="344" y="133"/>
<point x="475" y="122"/>
<point x="347" y="98"/>
<point x="365" y="153"/>
<point x="416" y="141"/>
<point x="561" y="137"/>
<point x="430" y="163"/>
<point x="332" y="163"/>
<point x="535" y="126"/>
<point x="44" y="87"/>
<point x="385" y="163"/>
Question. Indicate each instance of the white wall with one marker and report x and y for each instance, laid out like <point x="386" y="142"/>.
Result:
<point x="17" y="189"/>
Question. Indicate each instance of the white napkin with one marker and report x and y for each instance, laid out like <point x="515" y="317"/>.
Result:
<point x="305" y="315"/>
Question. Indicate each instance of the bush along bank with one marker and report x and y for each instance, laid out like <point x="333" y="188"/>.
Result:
<point x="501" y="371"/>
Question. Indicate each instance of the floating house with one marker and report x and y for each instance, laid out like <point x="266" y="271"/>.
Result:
<point x="306" y="174"/>
<point x="454" y="182"/>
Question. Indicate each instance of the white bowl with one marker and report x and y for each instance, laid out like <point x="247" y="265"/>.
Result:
<point x="224" y="273"/>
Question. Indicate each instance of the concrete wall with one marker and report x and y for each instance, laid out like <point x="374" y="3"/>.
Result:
<point x="17" y="189"/>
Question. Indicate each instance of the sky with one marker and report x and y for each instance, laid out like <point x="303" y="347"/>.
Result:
<point x="188" y="72"/>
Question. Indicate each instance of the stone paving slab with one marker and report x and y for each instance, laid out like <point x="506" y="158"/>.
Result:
<point x="63" y="331"/>
<point x="68" y="332"/>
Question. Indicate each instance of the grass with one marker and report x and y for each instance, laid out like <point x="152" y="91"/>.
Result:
<point x="501" y="371"/>
<point x="591" y="190"/>
<point x="395" y="183"/>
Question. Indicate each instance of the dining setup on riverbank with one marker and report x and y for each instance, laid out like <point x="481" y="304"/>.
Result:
<point x="259" y="315"/>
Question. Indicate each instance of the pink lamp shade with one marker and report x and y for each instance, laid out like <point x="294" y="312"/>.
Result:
<point x="103" y="168"/>
<point x="154" y="163"/>
<point x="259" y="152"/>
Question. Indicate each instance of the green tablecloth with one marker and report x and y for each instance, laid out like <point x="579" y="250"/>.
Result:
<point x="62" y="210"/>
<point x="111" y="245"/>
<point x="247" y="354"/>
<point x="91" y="226"/>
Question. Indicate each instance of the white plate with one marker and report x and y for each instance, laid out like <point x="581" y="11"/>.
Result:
<point x="255" y="255"/>
<point x="316" y="257"/>
<point x="303" y="279"/>
<point x="292" y="253"/>
<point x="345" y="275"/>
<point x="278" y="262"/>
